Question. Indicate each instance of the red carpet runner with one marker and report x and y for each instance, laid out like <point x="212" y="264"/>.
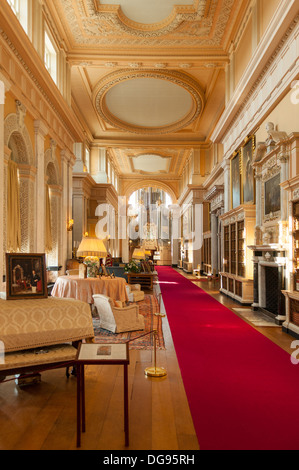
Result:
<point x="242" y="388"/>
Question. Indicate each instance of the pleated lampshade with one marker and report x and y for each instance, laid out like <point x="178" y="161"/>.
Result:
<point x="138" y="253"/>
<point x="90" y="246"/>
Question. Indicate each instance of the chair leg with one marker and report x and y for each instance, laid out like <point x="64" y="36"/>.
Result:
<point x="73" y="371"/>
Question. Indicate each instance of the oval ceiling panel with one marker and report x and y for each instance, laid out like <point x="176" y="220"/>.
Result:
<point x="148" y="102"/>
<point x="145" y="11"/>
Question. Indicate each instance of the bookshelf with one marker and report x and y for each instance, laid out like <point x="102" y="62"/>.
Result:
<point x="238" y="233"/>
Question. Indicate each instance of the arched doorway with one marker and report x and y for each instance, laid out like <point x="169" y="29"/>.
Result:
<point x="150" y="223"/>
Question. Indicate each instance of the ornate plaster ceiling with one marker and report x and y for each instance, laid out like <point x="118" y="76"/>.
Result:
<point x="147" y="101"/>
<point x="165" y="102"/>
<point x="147" y="77"/>
<point x="153" y="12"/>
<point x="149" y="163"/>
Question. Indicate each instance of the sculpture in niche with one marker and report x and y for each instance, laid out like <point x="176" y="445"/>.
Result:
<point x="21" y="113"/>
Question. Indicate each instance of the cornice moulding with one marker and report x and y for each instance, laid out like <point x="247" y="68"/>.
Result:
<point x="216" y="172"/>
<point x="189" y="195"/>
<point x="262" y="58"/>
<point x="16" y="40"/>
<point x="213" y="192"/>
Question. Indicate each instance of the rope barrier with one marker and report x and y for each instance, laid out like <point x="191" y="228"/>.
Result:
<point x="140" y="336"/>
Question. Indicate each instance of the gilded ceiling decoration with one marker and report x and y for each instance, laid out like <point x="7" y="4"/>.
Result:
<point x="178" y="49"/>
<point x="92" y="23"/>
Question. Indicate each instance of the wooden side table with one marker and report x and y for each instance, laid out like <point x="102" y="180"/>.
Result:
<point x="100" y="354"/>
<point x="144" y="279"/>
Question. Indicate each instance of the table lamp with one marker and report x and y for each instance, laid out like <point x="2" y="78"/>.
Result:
<point x="138" y="253"/>
<point x="92" y="249"/>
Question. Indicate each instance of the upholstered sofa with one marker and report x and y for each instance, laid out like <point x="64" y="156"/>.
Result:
<point x="38" y="333"/>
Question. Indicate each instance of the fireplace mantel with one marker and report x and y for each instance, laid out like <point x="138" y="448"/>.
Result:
<point x="272" y="247"/>
<point x="264" y="257"/>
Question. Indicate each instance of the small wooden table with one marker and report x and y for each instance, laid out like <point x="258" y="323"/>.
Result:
<point x="101" y="354"/>
<point x="144" y="279"/>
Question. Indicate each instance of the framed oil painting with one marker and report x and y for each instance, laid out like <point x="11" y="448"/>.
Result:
<point x="248" y="187"/>
<point x="235" y="181"/>
<point x="26" y="276"/>
<point x="272" y="195"/>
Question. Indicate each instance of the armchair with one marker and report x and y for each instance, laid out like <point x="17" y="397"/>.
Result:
<point x="135" y="294"/>
<point x="117" y="319"/>
<point x="72" y="272"/>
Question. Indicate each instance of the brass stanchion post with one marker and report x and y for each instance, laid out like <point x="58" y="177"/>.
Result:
<point x="156" y="371"/>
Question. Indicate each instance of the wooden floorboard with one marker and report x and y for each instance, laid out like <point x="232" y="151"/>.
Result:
<point x="43" y="416"/>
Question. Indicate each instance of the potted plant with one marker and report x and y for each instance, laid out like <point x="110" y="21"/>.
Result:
<point x="132" y="267"/>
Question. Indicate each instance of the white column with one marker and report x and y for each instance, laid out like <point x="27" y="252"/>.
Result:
<point x="258" y="191"/>
<point x="98" y="159"/>
<point x="255" y="25"/>
<point x="174" y="251"/>
<point x="122" y="223"/>
<point x="219" y="232"/>
<point x="70" y="203"/>
<point x="78" y="216"/>
<point x="232" y="72"/>
<point x="40" y="133"/>
<point x="78" y="152"/>
<point x="4" y="86"/>
<point x="284" y="176"/>
<point x="226" y="169"/>
<point x="214" y="243"/>
<point x="38" y="28"/>
<point x="227" y="84"/>
<point x="196" y="177"/>
<point x="66" y="208"/>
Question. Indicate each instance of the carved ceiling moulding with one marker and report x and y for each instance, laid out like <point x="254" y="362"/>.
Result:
<point x="177" y="78"/>
<point x="180" y="13"/>
<point x="206" y="23"/>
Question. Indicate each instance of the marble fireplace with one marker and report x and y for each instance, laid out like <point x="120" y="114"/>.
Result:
<point x="271" y="245"/>
<point x="270" y="265"/>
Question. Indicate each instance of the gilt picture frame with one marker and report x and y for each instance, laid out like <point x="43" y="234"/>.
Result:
<point x="248" y="181"/>
<point x="26" y="276"/>
<point x="272" y="192"/>
<point x="235" y="176"/>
